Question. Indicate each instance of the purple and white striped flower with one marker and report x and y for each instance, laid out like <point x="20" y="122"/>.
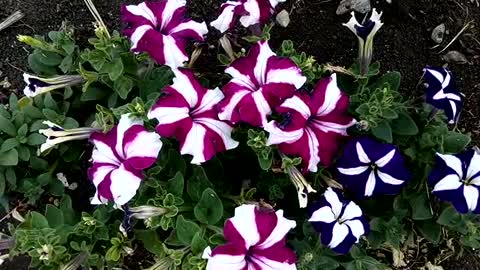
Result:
<point x="119" y="157"/>
<point x="261" y="81"/>
<point x="442" y="92"/>
<point x="161" y="29"/>
<point x="456" y="178"/>
<point x="313" y="124"/>
<point x="256" y="239"/>
<point x="187" y="112"/>
<point x="249" y="12"/>
<point x="370" y="168"/>
<point x="340" y="222"/>
<point x="37" y="85"/>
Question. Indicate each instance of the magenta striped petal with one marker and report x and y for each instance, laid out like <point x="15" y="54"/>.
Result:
<point x="313" y="125"/>
<point x="255" y="240"/>
<point x="249" y="12"/>
<point x="260" y="82"/>
<point x="162" y="30"/>
<point x="119" y="157"/>
<point x="187" y="112"/>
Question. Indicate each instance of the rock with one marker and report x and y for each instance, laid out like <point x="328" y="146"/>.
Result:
<point x="283" y="18"/>
<point x="438" y="33"/>
<point x="362" y="6"/>
<point x="455" y="57"/>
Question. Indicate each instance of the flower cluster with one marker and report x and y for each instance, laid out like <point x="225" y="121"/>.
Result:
<point x="340" y="222"/>
<point x="187" y="112"/>
<point x="371" y="168"/>
<point x="118" y="159"/>
<point x="256" y="239"/>
<point x="442" y="92"/>
<point x="249" y="12"/>
<point x="456" y="178"/>
<point x="160" y="29"/>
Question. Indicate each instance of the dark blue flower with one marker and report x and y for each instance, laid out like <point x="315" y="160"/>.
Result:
<point x="370" y="168"/>
<point x="442" y="92"/>
<point x="340" y="222"/>
<point x="456" y="178"/>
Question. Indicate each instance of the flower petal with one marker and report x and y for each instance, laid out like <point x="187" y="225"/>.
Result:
<point x="353" y="171"/>
<point x="332" y="198"/>
<point x="323" y="214"/>
<point x="339" y="233"/>
<point x="385" y="159"/>
<point x="351" y="211"/>
<point x="388" y="179"/>
<point x="282" y="227"/>
<point x="125" y="123"/>
<point x="471" y="196"/>
<point x="362" y="156"/>
<point x="370" y="186"/>
<point x="473" y="168"/>
<point x="449" y="182"/>
<point x="141" y="147"/>
<point x="225" y="20"/>
<point x="125" y="183"/>
<point x="244" y="222"/>
<point x="284" y="70"/>
<point x="356" y="227"/>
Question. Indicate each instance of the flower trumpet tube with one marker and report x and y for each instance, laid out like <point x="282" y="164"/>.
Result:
<point x="37" y="85"/>
<point x="145" y="211"/>
<point x="56" y="134"/>
<point x="301" y="184"/>
<point x="365" y="33"/>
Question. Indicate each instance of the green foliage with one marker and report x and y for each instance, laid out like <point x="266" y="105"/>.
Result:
<point x="257" y="140"/>
<point x="309" y="66"/>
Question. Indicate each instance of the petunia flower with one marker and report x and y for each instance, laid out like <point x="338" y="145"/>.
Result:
<point x="187" y="112"/>
<point x="365" y="33"/>
<point x="37" y="85"/>
<point x="369" y="168"/>
<point x="161" y="29"/>
<point x="255" y="239"/>
<point x="261" y="81"/>
<point x="456" y="178"/>
<point x="313" y="124"/>
<point x="340" y="222"/>
<point x="301" y="185"/>
<point x="250" y="12"/>
<point x="56" y="134"/>
<point x="119" y="158"/>
<point x="442" y="92"/>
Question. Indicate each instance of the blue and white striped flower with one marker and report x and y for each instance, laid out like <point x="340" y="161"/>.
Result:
<point x="340" y="222"/>
<point x="369" y="168"/>
<point x="442" y="92"/>
<point x="456" y="178"/>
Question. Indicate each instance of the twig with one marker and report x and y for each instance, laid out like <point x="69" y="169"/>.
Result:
<point x="16" y="16"/>
<point x="91" y="7"/>
<point x="457" y="36"/>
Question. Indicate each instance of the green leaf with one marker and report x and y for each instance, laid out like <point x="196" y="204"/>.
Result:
<point x="392" y="79"/>
<point x="209" y="209"/>
<point x="150" y="241"/>
<point x="176" y="184"/>
<point x="123" y="86"/>
<point x="54" y="216"/>
<point x="38" y="67"/>
<point x="114" y="68"/>
<point x="198" y="244"/>
<point x="11" y="177"/>
<point x="56" y="188"/>
<point x="93" y="93"/>
<point x="455" y="142"/>
<point x="404" y="125"/>
<point x="197" y="183"/>
<point x="383" y="131"/>
<point x="3" y="184"/>
<point x="51" y="115"/>
<point x="22" y="131"/>
<point x="9" y="158"/>
<point x="44" y="178"/>
<point x="49" y="102"/>
<point x="9" y="144"/>
<point x="36" y="139"/>
<point x="39" y="164"/>
<point x="420" y="207"/>
<point x="67" y="210"/>
<point x="66" y="64"/>
<point x="32" y="112"/>
<point x="186" y="230"/>
<point x="389" y="114"/>
<point x="7" y="126"/>
<point x="38" y="221"/>
<point x="452" y="219"/>
<point x="23" y="152"/>
<point x="431" y="230"/>
<point x="49" y="58"/>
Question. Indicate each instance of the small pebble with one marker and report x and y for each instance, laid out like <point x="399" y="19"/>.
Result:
<point x="362" y="6"/>
<point x="455" y="57"/>
<point x="283" y="18"/>
<point x="438" y="33"/>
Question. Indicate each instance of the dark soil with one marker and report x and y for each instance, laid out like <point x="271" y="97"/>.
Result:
<point x="403" y="44"/>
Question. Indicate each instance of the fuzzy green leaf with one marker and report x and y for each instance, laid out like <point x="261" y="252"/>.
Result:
<point x="455" y="142"/>
<point x="186" y="230"/>
<point x="420" y="207"/>
<point x="123" y="86"/>
<point x="7" y="126"/>
<point x="9" y="144"/>
<point x="431" y="230"/>
<point x="404" y="125"/>
<point x="198" y="244"/>
<point x="176" y="184"/>
<point x="54" y="216"/>
<point x="383" y="131"/>
<point x="36" y="139"/>
<point x="9" y="158"/>
<point x="150" y="241"/>
<point x="209" y="209"/>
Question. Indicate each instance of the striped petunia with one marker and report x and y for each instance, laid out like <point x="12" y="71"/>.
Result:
<point x="442" y="92"/>
<point x="370" y="168"/>
<point x="187" y="112"/>
<point x="256" y="239"/>
<point x="261" y="81"/>
<point x="161" y="29"/>
<point x="249" y="12"/>
<point x="340" y="222"/>
<point x="456" y="178"/>
<point x="119" y="158"/>
<point x="313" y="124"/>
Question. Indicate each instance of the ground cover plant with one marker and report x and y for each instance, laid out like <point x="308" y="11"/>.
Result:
<point x="279" y="162"/>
